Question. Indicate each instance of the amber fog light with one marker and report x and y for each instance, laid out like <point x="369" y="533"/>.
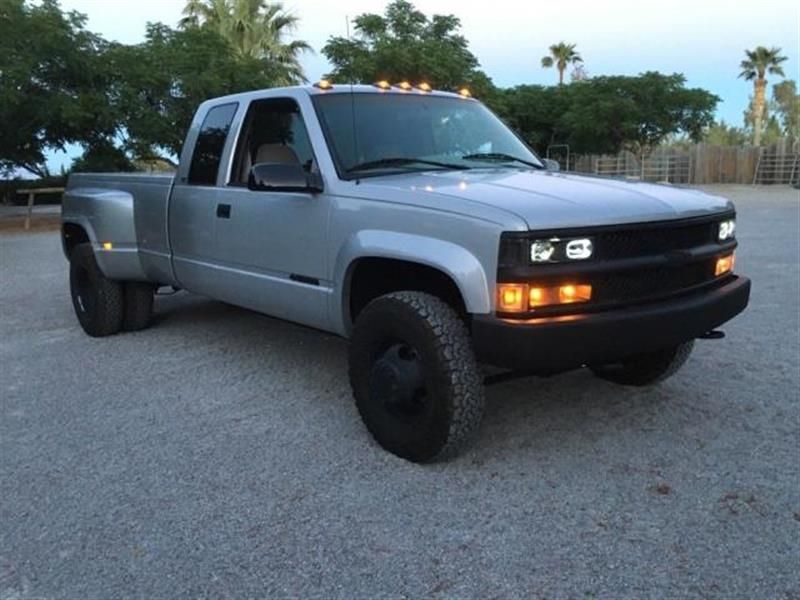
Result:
<point x="560" y="294"/>
<point x="725" y="264"/>
<point x="568" y="294"/>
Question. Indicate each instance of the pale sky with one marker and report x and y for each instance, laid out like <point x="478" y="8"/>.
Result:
<point x="704" y="40"/>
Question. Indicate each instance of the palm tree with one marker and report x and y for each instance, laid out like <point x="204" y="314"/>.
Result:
<point x="255" y="29"/>
<point x="755" y="67"/>
<point x="561" y="55"/>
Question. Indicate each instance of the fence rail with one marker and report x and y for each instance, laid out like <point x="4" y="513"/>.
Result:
<point x="32" y="196"/>
<point x="696" y="164"/>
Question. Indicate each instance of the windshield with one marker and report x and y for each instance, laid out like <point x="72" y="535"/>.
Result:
<point x="373" y="134"/>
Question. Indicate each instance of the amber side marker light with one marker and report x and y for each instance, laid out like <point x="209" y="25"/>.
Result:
<point x="521" y="297"/>
<point x="725" y="264"/>
<point x="108" y="246"/>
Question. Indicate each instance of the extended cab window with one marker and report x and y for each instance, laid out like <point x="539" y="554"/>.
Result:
<point x="273" y="132"/>
<point x="210" y="143"/>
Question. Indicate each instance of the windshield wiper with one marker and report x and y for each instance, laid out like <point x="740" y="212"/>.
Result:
<point x="401" y="161"/>
<point x="499" y="156"/>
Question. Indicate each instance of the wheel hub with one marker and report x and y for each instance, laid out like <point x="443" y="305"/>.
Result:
<point x="396" y="381"/>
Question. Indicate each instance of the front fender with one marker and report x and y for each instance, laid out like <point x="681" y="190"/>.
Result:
<point x="457" y="262"/>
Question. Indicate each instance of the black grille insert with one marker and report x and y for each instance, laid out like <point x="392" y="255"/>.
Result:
<point x="627" y="243"/>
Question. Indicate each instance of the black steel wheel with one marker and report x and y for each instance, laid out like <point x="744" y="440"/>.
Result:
<point x="414" y="376"/>
<point x="97" y="300"/>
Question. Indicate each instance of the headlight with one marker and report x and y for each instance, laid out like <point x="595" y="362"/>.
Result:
<point x="542" y="250"/>
<point x="727" y="230"/>
<point x="558" y="250"/>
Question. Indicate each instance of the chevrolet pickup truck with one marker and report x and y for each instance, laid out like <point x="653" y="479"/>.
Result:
<point x="417" y="225"/>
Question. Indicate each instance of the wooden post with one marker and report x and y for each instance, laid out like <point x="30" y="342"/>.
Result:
<point x="31" y="196"/>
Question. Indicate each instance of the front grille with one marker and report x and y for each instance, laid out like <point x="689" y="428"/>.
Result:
<point x="648" y="241"/>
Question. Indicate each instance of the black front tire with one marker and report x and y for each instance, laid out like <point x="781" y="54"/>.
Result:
<point x="646" y="369"/>
<point x="97" y="300"/>
<point x="414" y="376"/>
<point x="138" y="305"/>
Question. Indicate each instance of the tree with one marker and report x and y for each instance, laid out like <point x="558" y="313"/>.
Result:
<point x="722" y="134"/>
<point x="103" y="156"/>
<point x="561" y="55"/>
<point x="404" y="44"/>
<point x="607" y="114"/>
<point x="755" y="67"/>
<point x="786" y="104"/>
<point x="256" y="29"/>
<point x="162" y="81"/>
<point x="52" y="84"/>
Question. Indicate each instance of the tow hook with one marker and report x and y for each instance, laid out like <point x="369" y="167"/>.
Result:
<point x="714" y="334"/>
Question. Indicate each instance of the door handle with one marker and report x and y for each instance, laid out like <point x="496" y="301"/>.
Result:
<point x="223" y="211"/>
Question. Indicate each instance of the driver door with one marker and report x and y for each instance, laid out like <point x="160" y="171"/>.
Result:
<point x="270" y="250"/>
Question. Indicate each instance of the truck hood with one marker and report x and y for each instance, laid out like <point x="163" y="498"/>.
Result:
<point x="546" y="200"/>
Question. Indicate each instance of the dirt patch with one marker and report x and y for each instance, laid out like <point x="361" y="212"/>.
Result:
<point x="38" y="223"/>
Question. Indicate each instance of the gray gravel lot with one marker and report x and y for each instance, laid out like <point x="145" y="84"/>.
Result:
<point x="218" y="454"/>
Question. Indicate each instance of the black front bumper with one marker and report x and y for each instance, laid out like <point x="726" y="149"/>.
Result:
<point x="552" y="344"/>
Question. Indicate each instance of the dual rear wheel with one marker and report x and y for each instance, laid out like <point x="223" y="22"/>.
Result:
<point x="104" y="306"/>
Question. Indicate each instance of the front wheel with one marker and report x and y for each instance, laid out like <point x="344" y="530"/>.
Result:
<point x="414" y="376"/>
<point x="646" y="369"/>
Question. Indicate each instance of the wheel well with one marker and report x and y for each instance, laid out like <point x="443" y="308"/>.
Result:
<point x="72" y="235"/>
<point x="373" y="277"/>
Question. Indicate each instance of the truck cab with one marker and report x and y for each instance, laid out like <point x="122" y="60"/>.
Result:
<point x="416" y="224"/>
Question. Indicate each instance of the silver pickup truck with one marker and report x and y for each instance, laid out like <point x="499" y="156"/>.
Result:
<point x="416" y="224"/>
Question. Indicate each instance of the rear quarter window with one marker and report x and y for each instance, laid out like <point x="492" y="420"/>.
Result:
<point x="210" y="143"/>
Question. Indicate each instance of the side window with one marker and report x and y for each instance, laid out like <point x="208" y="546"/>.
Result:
<point x="210" y="143"/>
<point x="273" y="132"/>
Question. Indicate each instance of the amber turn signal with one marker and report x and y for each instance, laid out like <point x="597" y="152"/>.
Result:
<point x="512" y="297"/>
<point x="725" y="264"/>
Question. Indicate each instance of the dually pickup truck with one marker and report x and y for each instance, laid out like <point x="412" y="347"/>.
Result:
<point x="419" y="226"/>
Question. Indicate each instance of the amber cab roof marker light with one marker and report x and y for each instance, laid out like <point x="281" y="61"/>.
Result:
<point x="323" y="84"/>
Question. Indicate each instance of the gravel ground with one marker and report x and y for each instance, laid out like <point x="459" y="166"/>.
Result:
<point x="219" y="454"/>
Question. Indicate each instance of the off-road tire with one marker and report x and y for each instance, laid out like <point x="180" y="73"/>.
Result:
<point x="97" y="300"/>
<point x="138" y="303"/>
<point x="454" y="393"/>
<point x="646" y="369"/>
